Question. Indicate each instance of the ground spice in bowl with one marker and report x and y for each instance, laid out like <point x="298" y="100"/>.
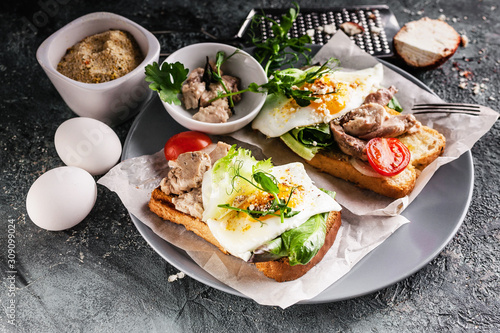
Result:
<point x="101" y="57"/>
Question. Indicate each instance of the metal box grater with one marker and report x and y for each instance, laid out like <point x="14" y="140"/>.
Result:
<point x="379" y="23"/>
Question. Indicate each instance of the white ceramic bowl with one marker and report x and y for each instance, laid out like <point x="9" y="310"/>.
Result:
<point x="111" y="102"/>
<point x="241" y="65"/>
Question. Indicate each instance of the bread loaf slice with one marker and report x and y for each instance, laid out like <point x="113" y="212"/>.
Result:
<point x="426" y="43"/>
<point x="337" y="164"/>
<point x="425" y="146"/>
<point x="279" y="270"/>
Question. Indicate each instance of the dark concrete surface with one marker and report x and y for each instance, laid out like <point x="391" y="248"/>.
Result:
<point x="101" y="276"/>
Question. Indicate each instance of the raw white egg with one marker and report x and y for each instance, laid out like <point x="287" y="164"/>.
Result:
<point x="88" y="144"/>
<point x="61" y="198"/>
<point x="338" y="92"/>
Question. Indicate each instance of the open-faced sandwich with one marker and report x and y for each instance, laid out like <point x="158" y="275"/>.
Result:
<point x="272" y="216"/>
<point x="352" y="130"/>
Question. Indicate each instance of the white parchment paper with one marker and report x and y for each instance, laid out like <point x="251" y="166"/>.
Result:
<point x="367" y="219"/>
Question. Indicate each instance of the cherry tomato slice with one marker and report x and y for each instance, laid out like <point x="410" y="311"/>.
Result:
<point x="388" y="156"/>
<point x="184" y="142"/>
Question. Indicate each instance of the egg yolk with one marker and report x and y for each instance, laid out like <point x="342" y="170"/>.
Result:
<point x="262" y="201"/>
<point x="332" y="96"/>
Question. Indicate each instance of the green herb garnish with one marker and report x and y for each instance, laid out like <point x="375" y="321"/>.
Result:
<point x="279" y="50"/>
<point x="287" y="81"/>
<point x="220" y="59"/>
<point x="265" y="182"/>
<point x="167" y="80"/>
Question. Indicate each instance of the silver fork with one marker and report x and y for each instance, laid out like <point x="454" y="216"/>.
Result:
<point x="469" y="109"/>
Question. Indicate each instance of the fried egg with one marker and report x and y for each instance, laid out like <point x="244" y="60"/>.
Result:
<point x="338" y="92"/>
<point x="240" y="234"/>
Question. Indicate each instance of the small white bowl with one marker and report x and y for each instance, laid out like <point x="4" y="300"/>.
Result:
<point x="241" y="65"/>
<point x="111" y="102"/>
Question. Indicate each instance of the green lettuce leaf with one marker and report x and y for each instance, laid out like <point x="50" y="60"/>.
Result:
<point x="313" y="136"/>
<point x="300" y="244"/>
<point x="394" y="104"/>
<point x="307" y="141"/>
<point x="305" y="241"/>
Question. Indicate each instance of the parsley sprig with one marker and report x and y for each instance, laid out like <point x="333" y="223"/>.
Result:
<point x="265" y="182"/>
<point x="167" y="80"/>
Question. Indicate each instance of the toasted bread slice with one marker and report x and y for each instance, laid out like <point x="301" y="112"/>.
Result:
<point x="161" y="204"/>
<point x="336" y="163"/>
<point x="425" y="146"/>
<point x="279" y="270"/>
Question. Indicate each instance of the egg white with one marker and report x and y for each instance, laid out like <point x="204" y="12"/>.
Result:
<point x="240" y="234"/>
<point x="279" y="114"/>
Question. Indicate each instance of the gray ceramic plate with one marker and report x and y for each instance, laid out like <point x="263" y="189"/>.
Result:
<point x="436" y="215"/>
